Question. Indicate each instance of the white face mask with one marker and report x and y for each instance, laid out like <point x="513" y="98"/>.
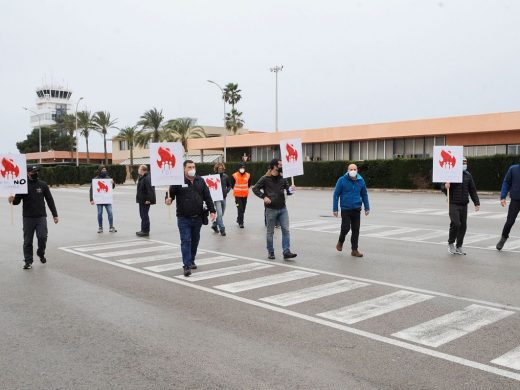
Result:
<point x="241" y="170"/>
<point x="191" y="173"/>
<point x="465" y="167"/>
<point x="352" y="173"/>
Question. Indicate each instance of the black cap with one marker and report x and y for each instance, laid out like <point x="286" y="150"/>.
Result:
<point x="34" y="168"/>
<point x="242" y="165"/>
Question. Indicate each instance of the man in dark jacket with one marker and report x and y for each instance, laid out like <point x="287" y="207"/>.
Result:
<point x="190" y="198"/>
<point x="458" y="202"/>
<point x="511" y="186"/>
<point x="351" y="192"/>
<point x="220" y="205"/>
<point x="103" y="174"/>
<point x="145" y="197"/>
<point x="272" y="188"/>
<point x="35" y="216"/>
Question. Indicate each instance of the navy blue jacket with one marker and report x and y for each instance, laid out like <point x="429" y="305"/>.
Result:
<point x="511" y="183"/>
<point x="350" y="193"/>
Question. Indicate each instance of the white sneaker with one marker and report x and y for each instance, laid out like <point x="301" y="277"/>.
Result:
<point x="451" y="249"/>
<point x="460" y="251"/>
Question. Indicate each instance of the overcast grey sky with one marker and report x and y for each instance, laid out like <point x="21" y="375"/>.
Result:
<point x="345" y="62"/>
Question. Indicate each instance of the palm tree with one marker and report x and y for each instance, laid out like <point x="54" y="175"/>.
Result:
<point x="232" y="94"/>
<point x="86" y="123"/>
<point x="234" y="122"/>
<point x="151" y="122"/>
<point x="182" y="129"/>
<point x="103" y="122"/>
<point x="129" y="135"/>
<point x="67" y="123"/>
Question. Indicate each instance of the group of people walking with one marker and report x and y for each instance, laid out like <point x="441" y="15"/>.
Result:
<point x="195" y="207"/>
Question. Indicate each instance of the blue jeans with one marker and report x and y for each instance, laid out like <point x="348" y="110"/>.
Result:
<point x="189" y="230"/>
<point x="282" y="217"/>
<point x="144" y="209"/>
<point x="220" y="206"/>
<point x="100" y="214"/>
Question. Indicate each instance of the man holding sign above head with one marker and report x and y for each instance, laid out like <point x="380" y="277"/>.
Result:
<point x="35" y="215"/>
<point x="101" y="195"/>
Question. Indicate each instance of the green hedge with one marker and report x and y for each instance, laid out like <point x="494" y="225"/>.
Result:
<point x="64" y="174"/>
<point x="397" y="173"/>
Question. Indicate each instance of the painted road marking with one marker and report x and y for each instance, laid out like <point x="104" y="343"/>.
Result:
<point x="375" y="307"/>
<point x="510" y="359"/>
<point x="264" y="281"/>
<point x="179" y="265"/>
<point x="149" y="259"/>
<point x="101" y="247"/>
<point x="217" y="273"/>
<point x="315" y="292"/>
<point x="444" y="212"/>
<point x="135" y="251"/>
<point x="451" y="326"/>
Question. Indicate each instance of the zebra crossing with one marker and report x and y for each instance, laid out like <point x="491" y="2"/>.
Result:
<point x="444" y="212"/>
<point x="409" y="234"/>
<point x="359" y="306"/>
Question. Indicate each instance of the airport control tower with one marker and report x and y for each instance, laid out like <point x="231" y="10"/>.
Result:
<point x="52" y="102"/>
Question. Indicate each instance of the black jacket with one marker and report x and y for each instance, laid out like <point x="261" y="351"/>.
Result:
<point x="98" y="177"/>
<point x="273" y="187"/>
<point x="460" y="192"/>
<point x="145" y="190"/>
<point x="34" y="201"/>
<point x="226" y="184"/>
<point x="190" y="198"/>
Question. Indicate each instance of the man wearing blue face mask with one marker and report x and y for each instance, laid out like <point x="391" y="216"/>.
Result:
<point x="459" y="199"/>
<point x="103" y="174"/>
<point x="351" y="192"/>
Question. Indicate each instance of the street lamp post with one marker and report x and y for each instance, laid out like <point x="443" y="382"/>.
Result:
<point x="224" y="112"/>
<point x="39" y="131"/>
<point x="276" y="69"/>
<point x="77" y="132"/>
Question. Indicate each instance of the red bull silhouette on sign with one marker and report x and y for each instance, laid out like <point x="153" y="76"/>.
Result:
<point x="9" y="170"/>
<point x="215" y="187"/>
<point x="167" y="158"/>
<point x="212" y="183"/>
<point x="166" y="163"/>
<point x="448" y="160"/>
<point x="13" y="174"/>
<point x="447" y="165"/>
<point x="102" y="187"/>
<point x="292" y="153"/>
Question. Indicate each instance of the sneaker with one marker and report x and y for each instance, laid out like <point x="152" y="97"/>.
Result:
<point x="339" y="246"/>
<point x="223" y="232"/>
<point x="187" y="272"/>
<point x="100" y="230"/>
<point x="142" y="234"/>
<point x="501" y="243"/>
<point x="43" y="259"/>
<point x="241" y="225"/>
<point x="271" y="256"/>
<point x="113" y="230"/>
<point x="193" y="266"/>
<point x="452" y="249"/>
<point x="215" y="228"/>
<point x="356" y="253"/>
<point x="289" y="255"/>
<point x="460" y="251"/>
<point x="27" y="266"/>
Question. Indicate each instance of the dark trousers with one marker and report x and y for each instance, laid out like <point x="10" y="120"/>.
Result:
<point x="189" y="230"/>
<point x="31" y="226"/>
<point x="458" y="224"/>
<point x="241" y="209"/>
<point x="350" y="220"/>
<point x="144" y="209"/>
<point x="512" y="213"/>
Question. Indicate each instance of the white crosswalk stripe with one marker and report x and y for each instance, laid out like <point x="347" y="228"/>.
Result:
<point x="451" y="326"/>
<point x="102" y="247"/>
<point x="178" y="265"/>
<point x="308" y="223"/>
<point x="391" y="232"/>
<point x="312" y="293"/>
<point x="264" y="281"/>
<point x="444" y="212"/>
<point x="511" y="359"/>
<point x="472" y="238"/>
<point x="135" y="251"/>
<point x="217" y="273"/>
<point x="375" y="307"/>
<point x="149" y="259"/>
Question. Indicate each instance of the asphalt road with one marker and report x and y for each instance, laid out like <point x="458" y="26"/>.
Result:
<point x="107" y="312"/>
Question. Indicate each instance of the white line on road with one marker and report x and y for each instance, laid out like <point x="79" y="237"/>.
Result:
<point x="217" y="273"/>
<point x="178" y="265"/>
<point x="372" y="336"/>
<point x="149" y="259"/>
<point x="451" y="326"/>
<point x="308" y="223"/>
<point x="315" y="292"/>
<point x="427" y="236"/>
<point x="135" y="251"/>
<point x="391" y="232"/>
<point x="375" y="307"/>
<point x="510" y="359"/>
<point x="102" y="247"/>
<point x="264" y="281"/>
<point x="471" y="238"/>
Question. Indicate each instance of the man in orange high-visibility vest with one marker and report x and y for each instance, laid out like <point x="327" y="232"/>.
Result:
<point x="241" y="182"/>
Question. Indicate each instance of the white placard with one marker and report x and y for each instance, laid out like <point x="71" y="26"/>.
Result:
<point x="292" y="157"/>
<point x="215" y="187"/>
<point x="102" y="191"/>
<point x="13" y="174"/>
<point x="447" y="164"/>
<point x="166" y="159"/>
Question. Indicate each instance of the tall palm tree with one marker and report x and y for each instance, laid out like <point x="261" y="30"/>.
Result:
<point x="232" y="94"/>
<point x="129" y="135"/>
<point x="86" y="124"/>
<point x="182" y="129"/>
<point x="234" y="122"/>
<point x="103" y="122"/>
<point x="151" y="122"/>
<point x="67" y="123"/>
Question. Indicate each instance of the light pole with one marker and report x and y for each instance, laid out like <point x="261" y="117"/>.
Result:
<point x="276" y="69"/>
<point x="39" y="131"/>
<point x="77" y="132"/>
<point x="225" y="128"/>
